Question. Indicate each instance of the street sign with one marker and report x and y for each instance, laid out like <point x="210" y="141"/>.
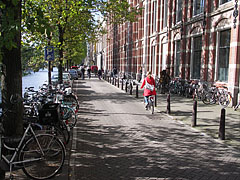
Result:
<point x="49" y="53"/>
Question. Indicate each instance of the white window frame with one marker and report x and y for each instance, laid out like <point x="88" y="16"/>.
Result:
<point x="154" y="16"/>
<point x="216" y="78"/>
<point x="165" y="15"/>
<point x="175" y="58"/>
<point x="201" y="7"/>
<point x="191" y="62"/>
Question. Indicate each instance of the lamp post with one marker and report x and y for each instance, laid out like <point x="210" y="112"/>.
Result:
<point x="235" y="14"/>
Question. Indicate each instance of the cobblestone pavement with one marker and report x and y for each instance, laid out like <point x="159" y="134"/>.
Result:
<point x="116" y="139"/>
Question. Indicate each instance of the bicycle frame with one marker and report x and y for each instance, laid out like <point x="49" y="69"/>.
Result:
<point x="17" y="149"/>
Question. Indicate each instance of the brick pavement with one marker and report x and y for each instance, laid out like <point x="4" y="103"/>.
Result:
<point x="153" y="147"/>
<point x="115" y="140"/>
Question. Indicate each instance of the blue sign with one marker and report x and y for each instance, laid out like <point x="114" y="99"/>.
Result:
<point x="49" y="53"/>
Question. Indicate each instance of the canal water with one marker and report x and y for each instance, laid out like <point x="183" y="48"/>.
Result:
<point x="35" y="79"/>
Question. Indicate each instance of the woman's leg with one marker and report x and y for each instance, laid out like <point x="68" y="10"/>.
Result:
<point x="146" y="100"/>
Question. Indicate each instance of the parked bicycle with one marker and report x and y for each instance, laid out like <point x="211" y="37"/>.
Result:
<point x="40" y="156"/>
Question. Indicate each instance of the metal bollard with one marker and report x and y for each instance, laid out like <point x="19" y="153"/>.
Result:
<point x="136" y="91"/>
<point x="118" y="82"/>
<point x="126" y="86"/>
<point x="221" y="134"/>
<point x="131" y="88"/>
<point x="194" y="114"/>
<point x="122" y="84"/>
<point x="113" y="81"/>
<point x="168" y="104"/>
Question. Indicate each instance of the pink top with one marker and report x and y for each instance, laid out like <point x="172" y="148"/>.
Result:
<point x="147" y="92"/>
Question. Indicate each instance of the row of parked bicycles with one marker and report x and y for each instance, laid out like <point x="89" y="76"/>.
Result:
<point x="49" y="115"/>
<point x="207" y="92"/>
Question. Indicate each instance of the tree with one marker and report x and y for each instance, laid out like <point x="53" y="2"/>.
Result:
<point x="11" y="77"/>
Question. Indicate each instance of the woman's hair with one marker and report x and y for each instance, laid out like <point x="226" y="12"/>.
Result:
<point x="149" y="72"/>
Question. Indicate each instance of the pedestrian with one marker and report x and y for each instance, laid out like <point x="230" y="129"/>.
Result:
<point x="164" y="81"/>
<point x="149" y="87"/>
<point x="115" y="72"/>
<point x="89" y="72"/>
<point x="140" y="72"/>
<point x="83" y="72"/>
<point x="100" y="73"/>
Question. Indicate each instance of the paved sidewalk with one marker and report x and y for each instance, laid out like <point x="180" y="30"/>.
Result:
<point x="208" y="116"/>
<point x="116" y="139"/>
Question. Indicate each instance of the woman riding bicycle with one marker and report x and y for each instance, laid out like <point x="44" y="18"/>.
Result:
<point x="149" y="87"/>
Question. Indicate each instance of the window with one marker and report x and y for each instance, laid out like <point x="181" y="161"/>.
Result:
<point x="154" y="16"/>
<point x="196" y="58"/>
<point x="179" y="11"/>
<point x="198" y="7"/>
<point x="164" y="55"/>
<point x="153" y="60"/>
<point x="224" y="1"/>
<point x="177" y="58"/>
<point x="223" y="60"/>
<point x="165" y="13"/>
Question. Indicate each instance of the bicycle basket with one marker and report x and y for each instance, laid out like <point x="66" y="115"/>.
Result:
<point x="49" y="114"/>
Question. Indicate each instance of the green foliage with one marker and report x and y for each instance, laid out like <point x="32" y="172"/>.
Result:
<point x="78" y="19"/>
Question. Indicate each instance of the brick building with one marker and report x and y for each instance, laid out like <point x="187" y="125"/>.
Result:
<point x="191" y="39"/>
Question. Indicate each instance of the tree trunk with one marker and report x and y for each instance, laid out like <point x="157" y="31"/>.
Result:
<point x="11" y="77"/>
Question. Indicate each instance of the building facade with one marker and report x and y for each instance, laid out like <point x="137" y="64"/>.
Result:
<point x="191" y="39"/>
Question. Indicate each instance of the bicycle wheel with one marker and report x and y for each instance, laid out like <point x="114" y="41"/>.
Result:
<point x="208" y="98"/>
<point x="42" y="156"/>
<point x="225" y="99"/>
<point x="66" y="130"/>
<point x="71" y="101"/>
<point x="70" y="116"/>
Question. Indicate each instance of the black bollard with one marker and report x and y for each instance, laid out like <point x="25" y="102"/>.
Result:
<point x="126" y="86"/>
<point x="113" y="81"/>
<point x="118" y="82"/>
<point x="131" y="88"/>
<point x="194" y="114"/>
<point x="122" y="84"/>
<point x="136" y="91"/>
<point x="156" y="100"/>
<point x="168" y="104"/>
<point x="221" y="134"/>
